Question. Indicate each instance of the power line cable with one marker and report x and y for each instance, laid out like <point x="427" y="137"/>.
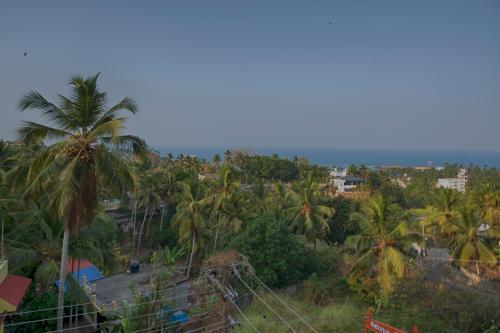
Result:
<point x="88" y="303"/>
<point x="237" y="274"/>
<point x="94" y="312"/>
<point x="284" y="303"/>
<point x="236" y="306"/>
<point x="133" y="317"/>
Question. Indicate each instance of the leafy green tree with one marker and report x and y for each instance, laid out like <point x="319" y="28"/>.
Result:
<point x="191" y="217"/>
<point x="309" y="215"/>
<point x="77" y="159"/>
<point x="34" y="320"/>
<point x="216" y="160"/>
<point x="273" y="252"/>
<point x="341" y="224"/>
<point x="34" y="243"/>
<point x="352" y="170"/>
<point x="380" y="250"/>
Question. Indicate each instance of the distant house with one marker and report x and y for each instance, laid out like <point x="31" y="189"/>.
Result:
<point x="12" y="291"/>
<point x="347" y="183"/>
<point x="82" y="270"/>
<point x="111" y="204"/>
<point x="401" y="180"/>
<point x="338" y="172"/>
<point x="459" y="183"/>
<point x="422" y="168"/>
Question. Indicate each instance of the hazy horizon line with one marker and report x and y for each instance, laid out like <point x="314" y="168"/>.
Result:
<point x="469" y="150"/>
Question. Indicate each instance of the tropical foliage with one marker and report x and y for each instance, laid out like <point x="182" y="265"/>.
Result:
<point x="77" y="161"/>
<point x="379" y="252"/>
<point x="282" y="213"/>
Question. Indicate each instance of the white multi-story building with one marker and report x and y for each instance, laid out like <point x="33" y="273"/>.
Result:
<point x="458" y="183"/>
<point x="338" y="172"/>
<point x="347" y="183"/>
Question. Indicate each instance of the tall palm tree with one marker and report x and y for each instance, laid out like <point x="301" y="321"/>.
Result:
<point x="76" y="158"/>
<point x="487" y="200"/>
<point x="379" y="251"/>
<point x="234" y="212"/>
<point x="222" y="188"/>
<point x="260" y="196"/>
<point x="444" y="201"/>
<point x="469" y="242"/>
<point x="191" y="218"/>
<point x="149" y="199"/>
<point x="166" y="187"/>
<point x="278" y="201"/>
<point x="309" y="215"/>
<point x="441" y="212"/>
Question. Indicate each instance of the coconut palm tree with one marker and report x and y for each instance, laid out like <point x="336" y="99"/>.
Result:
<point x="437" y="216"/>
<point x="34" y="242"/>
<point x="309" y="215"/>
<point x="470" y="234"/>
<point x="76" y="158"/>
<point x="259" y="195"/>
<point x="234" y="212"/>
<point x="166" y="187"/>
<point x="379" y="251"/>
<point x="487" y="200"/>
<point x="278" y="201"/>
<point x="149" y="199"/>
<point x="222" y="188"/>
<point x="444" y="201"/>
<point x="191" y="217"/>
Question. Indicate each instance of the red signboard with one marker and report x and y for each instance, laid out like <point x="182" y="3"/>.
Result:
<point x="372" y="325"/>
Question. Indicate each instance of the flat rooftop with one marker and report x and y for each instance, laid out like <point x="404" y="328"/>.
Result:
<point x="119" y="287"/>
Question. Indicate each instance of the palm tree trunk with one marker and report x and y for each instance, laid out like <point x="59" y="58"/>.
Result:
<point x="148" y="227"/>
<point x="163" y="214"/>
<point x="216" y="236"/>
<point x="62" y="280"/>
<point x="71" y="307"/>
<point x="133" y="220"/>
<point x="191" y="256"/>
<point x="140" y="232"/>
<point x="78" y="279"/>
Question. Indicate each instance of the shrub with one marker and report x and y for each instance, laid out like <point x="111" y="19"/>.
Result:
<point x="277" y="257"/>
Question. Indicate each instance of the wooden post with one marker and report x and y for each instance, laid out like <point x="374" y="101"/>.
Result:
<point x="368" y="317"/>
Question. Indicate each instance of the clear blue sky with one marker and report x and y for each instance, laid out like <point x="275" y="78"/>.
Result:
<point x="385" y="74"/>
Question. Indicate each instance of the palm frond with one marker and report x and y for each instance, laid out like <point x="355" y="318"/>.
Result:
<point x="31" y="132"/>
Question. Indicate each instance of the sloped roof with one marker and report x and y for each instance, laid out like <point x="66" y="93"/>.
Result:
<point x="13" y="289"/>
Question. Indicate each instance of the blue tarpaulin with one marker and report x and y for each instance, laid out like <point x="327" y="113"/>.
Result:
<point x="179" y="317"/>
<point x="91" y="273"/>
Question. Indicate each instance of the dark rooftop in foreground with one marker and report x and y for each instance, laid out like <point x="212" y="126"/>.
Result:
<point x="119" y="287"/>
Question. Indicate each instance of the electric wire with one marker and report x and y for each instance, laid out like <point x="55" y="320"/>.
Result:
<point x="264" y="302"/>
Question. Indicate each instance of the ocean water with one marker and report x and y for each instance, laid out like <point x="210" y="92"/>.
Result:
<point x="345" y="157"/>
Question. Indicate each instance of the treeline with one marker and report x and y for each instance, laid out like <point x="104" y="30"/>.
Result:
<point x="283" y="214"/>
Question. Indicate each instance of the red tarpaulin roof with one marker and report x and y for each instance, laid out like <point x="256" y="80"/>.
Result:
<point x="13" y="289"/>
<point x="72" y="265"/>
